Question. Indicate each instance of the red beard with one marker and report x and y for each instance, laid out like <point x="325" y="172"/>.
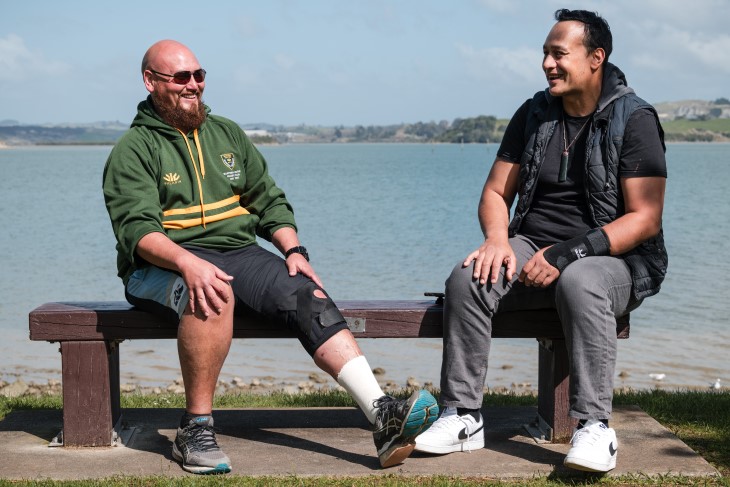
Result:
<point x="177" y="117"/>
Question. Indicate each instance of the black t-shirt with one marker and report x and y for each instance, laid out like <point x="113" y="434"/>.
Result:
<point x="559" y="210"/>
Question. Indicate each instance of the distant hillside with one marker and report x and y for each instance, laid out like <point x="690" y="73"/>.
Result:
<point x="59" y="135"/>
<point x="467" y="130"/>
<point x="713" y="130"/>
<point x="696" y="120"/>
<point x="689" y="120"/>
<point x="693" y="110"/>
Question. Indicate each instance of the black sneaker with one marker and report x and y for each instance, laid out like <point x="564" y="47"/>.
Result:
<point x="398" y="423"/>
<point x="196" y="448"/>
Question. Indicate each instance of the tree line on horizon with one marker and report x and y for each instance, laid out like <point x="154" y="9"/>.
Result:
<point x="710" y="125"/>
<point x="480" y="129"/>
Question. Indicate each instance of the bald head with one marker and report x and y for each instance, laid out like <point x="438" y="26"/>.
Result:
<point x="173" y="77"/>
<point x="167" y="52"/>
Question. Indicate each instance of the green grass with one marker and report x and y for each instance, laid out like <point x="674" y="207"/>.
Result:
<point x="700" y="419"/>
<point x="696" y="130"/>
<point x="681" y="125"/>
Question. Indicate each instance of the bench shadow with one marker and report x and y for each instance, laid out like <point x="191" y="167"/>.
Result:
<point x="44" y="424"/>
<point x="506" y="435"/>
<point x="292" y="429"/>
<point x="262" y="426"/>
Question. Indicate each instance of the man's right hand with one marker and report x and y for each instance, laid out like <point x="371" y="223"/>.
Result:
<point x="488" y="260"/>
<point x="208" y="286"/>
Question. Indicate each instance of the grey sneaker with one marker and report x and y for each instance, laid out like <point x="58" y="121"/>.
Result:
<point x="196" y="448"/>
<point x="398" y="423"/>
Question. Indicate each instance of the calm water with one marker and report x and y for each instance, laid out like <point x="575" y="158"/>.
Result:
<point x="381" y="222"/>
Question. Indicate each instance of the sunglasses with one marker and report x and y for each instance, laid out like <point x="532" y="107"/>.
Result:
<point x="183" y="77"/>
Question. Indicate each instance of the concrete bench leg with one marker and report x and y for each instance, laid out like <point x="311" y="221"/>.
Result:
<point x="91" y="408"/>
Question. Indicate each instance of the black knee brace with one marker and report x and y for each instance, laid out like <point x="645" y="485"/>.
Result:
<point x="315" y="319"/>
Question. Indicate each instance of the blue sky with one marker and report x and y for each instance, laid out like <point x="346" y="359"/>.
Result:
<point x="332" y="62"/>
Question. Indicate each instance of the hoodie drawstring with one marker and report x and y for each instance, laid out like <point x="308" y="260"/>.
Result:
<point x="202" y="167"/>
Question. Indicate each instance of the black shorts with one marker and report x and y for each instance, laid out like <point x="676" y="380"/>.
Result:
<point x="261" y="286"/>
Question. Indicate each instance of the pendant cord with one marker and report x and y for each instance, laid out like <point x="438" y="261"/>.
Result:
<point x="563" y="176"/>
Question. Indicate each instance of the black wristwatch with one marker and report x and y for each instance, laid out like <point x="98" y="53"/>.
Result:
<point x="297" y="250"/>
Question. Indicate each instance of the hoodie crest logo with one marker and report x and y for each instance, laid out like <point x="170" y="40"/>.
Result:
<point x="229" y="160"/>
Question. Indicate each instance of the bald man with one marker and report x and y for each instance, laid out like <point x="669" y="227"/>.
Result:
<point x="187" y="194"/>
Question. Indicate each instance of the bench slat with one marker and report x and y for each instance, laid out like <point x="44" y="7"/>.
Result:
<point x="118" y="320"/>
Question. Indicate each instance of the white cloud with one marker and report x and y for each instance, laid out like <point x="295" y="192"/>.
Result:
<point x="17" y="62"/>
<point x="247" y="77"/>
<point x="284" y="61"/>
<point x="714" y="53"/>
<point x="698" y="15"/>
<point x="490" y="63"/>
<point x="501" y="6"/>
<point x="669" y="48"/>
<point x="247" y="27"/>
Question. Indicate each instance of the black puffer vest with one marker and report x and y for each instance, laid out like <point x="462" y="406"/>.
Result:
<point x="648" y="261"/>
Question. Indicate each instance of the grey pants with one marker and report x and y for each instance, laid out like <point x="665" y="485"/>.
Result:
<point x="588" y="297"/>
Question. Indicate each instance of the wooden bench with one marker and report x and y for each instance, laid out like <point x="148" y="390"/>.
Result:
<point x="89" y="334"/>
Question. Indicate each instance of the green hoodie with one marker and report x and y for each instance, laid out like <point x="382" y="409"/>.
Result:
<point x="209" y="188"/>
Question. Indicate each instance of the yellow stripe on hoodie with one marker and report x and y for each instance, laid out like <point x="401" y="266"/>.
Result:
<point x="209" y="207"/>
<point x="192" y="222"/>
<point x="187" y="223"/>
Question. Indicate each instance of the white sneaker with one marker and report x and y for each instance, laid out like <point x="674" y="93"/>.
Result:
<point x="451" y="433"/>
<point x="594" y="448"/>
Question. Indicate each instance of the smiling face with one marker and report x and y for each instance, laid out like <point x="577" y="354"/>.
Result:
<point x="571" y="70"/>
<point x="179" y="105"/>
